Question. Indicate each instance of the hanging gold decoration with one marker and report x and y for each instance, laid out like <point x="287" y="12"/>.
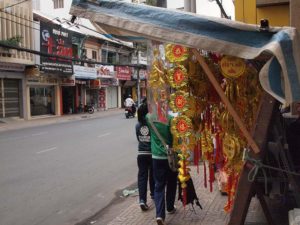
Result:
<point x="232" y="67"/>
<point x="181" y="126"/>
<point x="176" y="53"/>
<point x="178" y="77"/>
<point x="179" y="101"/>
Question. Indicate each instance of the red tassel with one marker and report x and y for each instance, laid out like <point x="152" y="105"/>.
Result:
<point x="197" y="156"/>
<point x="211" y="176"/>
<point x="205" y="178"/>
<point x="184" y="197"/>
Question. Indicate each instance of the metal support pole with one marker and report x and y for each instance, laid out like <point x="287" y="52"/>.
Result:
<point x="187" y="5"/>
<point x="138" y="87"/>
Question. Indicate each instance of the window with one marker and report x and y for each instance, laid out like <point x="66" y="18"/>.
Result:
<point x="108" y="57"/>
<point x="94" y="55"/>
<point x="58" y="4"/>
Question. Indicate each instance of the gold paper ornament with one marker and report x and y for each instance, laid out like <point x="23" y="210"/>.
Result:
<point x="179" y="101"/>
<point x="181" y="126"/>
<point x="178" y="77"/>
<point x="176" y="53"/>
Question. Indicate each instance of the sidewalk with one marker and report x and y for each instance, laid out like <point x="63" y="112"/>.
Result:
<point x="212" y="213"/>
<point x="17" y="123"/>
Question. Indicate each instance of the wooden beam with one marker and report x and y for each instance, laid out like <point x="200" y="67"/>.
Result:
<point x="225" y="100"/>
<point x="245" y="188"/>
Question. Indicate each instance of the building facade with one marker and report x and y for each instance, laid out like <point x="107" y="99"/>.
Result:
<point x="16" y="29"/>
<point x="278" y="12"/>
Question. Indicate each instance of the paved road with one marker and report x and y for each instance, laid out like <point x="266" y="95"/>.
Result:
<point x="62" y="173"/>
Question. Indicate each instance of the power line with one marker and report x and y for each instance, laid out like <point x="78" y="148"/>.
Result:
<point x="66" y="58"/>
<point x="18" y="3"/>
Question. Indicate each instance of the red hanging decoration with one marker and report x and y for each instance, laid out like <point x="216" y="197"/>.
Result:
<point x="205" y="178"/>
<point x="211" y="176"/>
<point x="184" y="197"/>
<point x="197" y="155"/>
<point x="228" y="205"/>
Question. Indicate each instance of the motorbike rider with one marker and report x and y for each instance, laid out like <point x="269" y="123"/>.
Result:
<point x="130" y="103"/>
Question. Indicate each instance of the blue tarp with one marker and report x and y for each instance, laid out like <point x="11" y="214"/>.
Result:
<point x="128" y="21"/>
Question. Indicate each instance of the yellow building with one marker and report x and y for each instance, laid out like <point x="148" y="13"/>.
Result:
<point x="276" y="11"/>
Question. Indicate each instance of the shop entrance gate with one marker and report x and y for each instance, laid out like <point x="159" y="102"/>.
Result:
<point x="9" y="98"/>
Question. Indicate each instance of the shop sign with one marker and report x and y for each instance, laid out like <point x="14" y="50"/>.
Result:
<point x="68" y="81"/>
<point x="80" y="82"/>
<point x="143" y="74"/>
<point x="12" y="66"/>
<point x="124" y="72"/>
<point x="95" y="84"/>
<point x="143" y="84"/>
<point x="104" y="71"/>
<point x="42" y="80"/>
<point x="57" y="41"/>
<point x="232" y="67"/>
<point x="109" y="82"/>
<point x="84" y="72"/>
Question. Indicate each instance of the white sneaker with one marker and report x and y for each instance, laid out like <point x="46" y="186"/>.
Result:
<point x="144" y="206"/>
<point x="160" y="221"/>
<point x="172" y="211"/>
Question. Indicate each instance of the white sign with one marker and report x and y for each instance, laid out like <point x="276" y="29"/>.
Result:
<point x="84" y="72"/>
<point x="12" y="66"/>
<point x="105" y="71"/>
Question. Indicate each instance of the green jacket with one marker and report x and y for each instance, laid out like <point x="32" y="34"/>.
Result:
<point x="157" y="148"/>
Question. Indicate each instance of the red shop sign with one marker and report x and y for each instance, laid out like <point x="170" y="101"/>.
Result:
<point x="124" y="72"/>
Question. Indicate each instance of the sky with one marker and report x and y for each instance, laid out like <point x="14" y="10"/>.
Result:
<point x="204" y="7"/>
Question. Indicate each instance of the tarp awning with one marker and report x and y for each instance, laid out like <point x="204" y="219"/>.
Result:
<point x="279" y="76"/>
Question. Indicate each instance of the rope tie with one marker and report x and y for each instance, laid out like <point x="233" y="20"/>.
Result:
<point x="257" y="165"/>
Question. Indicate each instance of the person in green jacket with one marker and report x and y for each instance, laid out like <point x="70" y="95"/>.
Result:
<point x="165" y="179"/>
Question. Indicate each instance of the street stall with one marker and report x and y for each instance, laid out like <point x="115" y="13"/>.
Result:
<point x="225" y="81"/>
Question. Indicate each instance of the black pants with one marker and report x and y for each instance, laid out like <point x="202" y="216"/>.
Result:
<point x="145" y="173"/>
<point x="165" y="187"/>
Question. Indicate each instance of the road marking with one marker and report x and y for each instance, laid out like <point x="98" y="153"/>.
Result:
<point x="46" y="150"/>
<point x="103" y="135"/>
<point x="41" y="133"/>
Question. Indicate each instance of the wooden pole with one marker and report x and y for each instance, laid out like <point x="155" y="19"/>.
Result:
<point x="225" y="100"/>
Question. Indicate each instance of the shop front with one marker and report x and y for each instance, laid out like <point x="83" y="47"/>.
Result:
<point x="43" y="93"/>
<point x="109" y="85"/>
<point x="68" y="91"/>
<point x="11" y="80"/>
<point x="124" y="73"/>
<point x="85" y="86"/>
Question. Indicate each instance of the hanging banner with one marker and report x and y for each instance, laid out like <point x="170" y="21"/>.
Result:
<point x="56" y="40"/>
<point x="124" y="72"/>
<point x="84" y="72"/>
<point x="68" y="81"/>
<point x="95" y="84"/>
<point x="104" y="71"/>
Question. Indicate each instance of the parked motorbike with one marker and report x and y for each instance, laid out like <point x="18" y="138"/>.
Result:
<point x="87" y="108"/>
<point x="130" y="111"/>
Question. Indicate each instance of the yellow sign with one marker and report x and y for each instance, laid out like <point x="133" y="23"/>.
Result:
<point x="232" y="67"/>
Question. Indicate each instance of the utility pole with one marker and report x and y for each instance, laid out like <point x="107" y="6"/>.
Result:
<point x="294" y="15"/>
<point x="190" y="6"/>
<point x="161" y="3"/>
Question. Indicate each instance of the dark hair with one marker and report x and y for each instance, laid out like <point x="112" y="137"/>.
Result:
<point x="142" y="112"/>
